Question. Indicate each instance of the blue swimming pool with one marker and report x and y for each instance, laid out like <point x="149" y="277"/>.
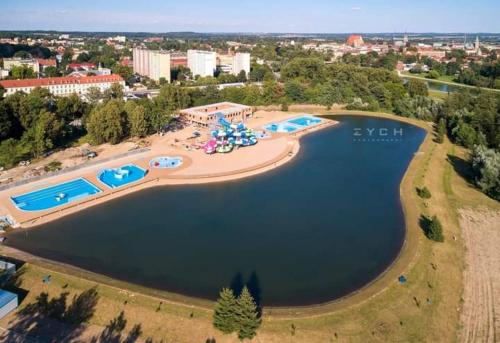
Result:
<point x="305" y="121"/>
<point x="292" y="125"/>
<point x="281" y="127"/>
<point x="54" y="196"/>
<point x="165" y="162"/>
<point x="121" y="176"/>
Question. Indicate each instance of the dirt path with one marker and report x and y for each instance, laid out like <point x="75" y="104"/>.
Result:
<point x="480" y="316"/>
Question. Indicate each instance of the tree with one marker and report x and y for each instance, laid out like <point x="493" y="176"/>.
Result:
<point x="138" y="125"/>
<point x="424" y="192"/>
<point x="434" y="230"/>
<point x="247" y="315"/>
<point x="242" y="76"/>
<point x="295" y="91"/>
<point x="441" y="130"/>
<point x="106" y="123"/>
<point x="44" y="133"/>
<point x="417" y="87"/>
<point x="2" y="92"/>
<point x="114" y="92"/>
<point x="51" y="71"/>
<point x="224" y="317"/>
<point x="22" y="72"/>
<point x="433" y="74"/>
<point x="486" y="168"/>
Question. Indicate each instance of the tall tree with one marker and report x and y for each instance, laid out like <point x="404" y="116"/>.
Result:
<point x="106" y="123"/>
<point x="247" y="315"/>
<point x="224" y="317"/>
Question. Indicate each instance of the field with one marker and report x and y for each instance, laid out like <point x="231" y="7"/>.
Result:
<point x="426" y="308"/>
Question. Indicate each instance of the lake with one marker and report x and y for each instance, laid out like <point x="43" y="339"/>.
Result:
<point x="311" y="231"/>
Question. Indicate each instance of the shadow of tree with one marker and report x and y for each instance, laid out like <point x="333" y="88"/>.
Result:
<point x="50" y="320"/>
<point x="462" y="168"/>
<point x="113" y="332"/>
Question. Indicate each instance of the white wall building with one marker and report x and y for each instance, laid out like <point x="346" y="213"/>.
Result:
<point x="202" y="63"/>
<point x="9" y="63"/>
<point x="151" y="63"/>
<point x="241" y="61"/>
<point x="63" y="86"/>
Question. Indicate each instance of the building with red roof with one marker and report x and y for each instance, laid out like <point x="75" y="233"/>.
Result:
<point x="63" y="86"/>
<point x="81" y="66"/>
<point x="355" y="41"/>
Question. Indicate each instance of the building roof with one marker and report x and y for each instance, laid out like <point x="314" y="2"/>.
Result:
<point x="46" y="62"/>
<point x="6" y="297"/>
<point x="81" y="65"/>
<point x="60" y="81"/>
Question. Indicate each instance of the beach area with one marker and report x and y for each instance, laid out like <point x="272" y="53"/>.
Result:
<point x="197" y="166"/>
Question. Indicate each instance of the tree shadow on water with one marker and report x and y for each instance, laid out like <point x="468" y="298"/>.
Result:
<point x="253" y="285"/>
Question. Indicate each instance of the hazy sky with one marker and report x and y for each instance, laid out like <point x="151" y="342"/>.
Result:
<point x="328" y="16"/>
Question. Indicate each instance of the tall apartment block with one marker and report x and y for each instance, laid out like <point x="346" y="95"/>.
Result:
<point x="202" y="63"/>
<point x="151" y="63"/>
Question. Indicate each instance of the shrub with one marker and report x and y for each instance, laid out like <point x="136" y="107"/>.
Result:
<point x="424" y="192"/>
<point x="433" y="229"/>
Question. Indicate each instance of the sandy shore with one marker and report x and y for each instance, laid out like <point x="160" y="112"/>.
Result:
<point x="197" y="166"/>
<point x="481" y="308"/>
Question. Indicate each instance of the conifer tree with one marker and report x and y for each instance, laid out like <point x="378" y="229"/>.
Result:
<point x="247" y="315"/>
<point x="224" y="317"/>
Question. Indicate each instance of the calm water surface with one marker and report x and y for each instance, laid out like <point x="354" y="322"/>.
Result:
<point x="311" y="231"/>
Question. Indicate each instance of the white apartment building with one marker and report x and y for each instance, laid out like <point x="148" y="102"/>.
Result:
<point x="151" y="63"/>
<point x="241" y="61"/>
<point x="63" y="86"/>
<point x="202" y="63"/>
<point x="9" y="63"/>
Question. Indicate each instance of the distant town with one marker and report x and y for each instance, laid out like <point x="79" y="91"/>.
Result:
<point x="68" y="63"/>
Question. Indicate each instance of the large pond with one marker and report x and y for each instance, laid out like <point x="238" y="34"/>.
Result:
<point x="316" y="229"/>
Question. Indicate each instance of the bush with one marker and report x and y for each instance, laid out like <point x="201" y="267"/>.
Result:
<point x="53" y="166"/>
<point x="424" y="192"/>
<point x="432" y="227"/>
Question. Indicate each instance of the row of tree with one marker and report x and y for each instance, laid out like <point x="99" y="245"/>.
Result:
<point x="237" y="314"/>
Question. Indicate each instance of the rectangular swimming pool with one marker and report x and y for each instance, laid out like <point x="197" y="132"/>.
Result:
<point x="58" y="195"/>
<point x="121" y="176"/>
<point x="305" y="121"/>
<point x="293" y="124"/>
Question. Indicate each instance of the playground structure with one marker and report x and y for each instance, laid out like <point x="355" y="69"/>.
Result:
<point x="226" y="136"/>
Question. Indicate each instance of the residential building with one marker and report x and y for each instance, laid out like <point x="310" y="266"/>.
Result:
<point x="9" y="63"/>
<point x="241" y="62"/>
<point x="151" y="63"/>
<point x="207" y="115"/>
<point x="63" y="86"/>
<point x="202" y="63"/>
<point x="178" y="59"/>
<point x="44" y="63"/>
<point x="355" y="41"/>
<point x="81" y="66"/>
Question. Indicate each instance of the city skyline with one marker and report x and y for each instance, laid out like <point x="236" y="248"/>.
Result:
<point x="319" y="16"/>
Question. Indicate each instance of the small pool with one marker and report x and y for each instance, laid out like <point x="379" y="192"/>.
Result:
<point x="281" y="127"/>
<point x="165" y="162"/>
<point x="58" y="195"/>
<point x="293" y="124"/>
<point x="118" y="177"/>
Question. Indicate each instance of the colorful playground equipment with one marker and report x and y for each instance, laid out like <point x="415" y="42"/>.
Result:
<point x="226" y="136"/>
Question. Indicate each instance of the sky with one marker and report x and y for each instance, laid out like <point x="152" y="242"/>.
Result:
<point x="294" y="16"/>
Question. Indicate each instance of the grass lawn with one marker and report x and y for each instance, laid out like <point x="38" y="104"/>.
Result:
<point x="425" y="309"/>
